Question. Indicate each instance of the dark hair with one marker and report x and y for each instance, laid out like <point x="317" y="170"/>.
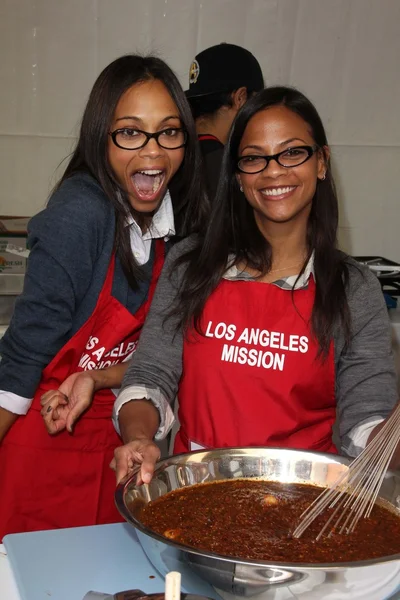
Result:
<point x="91" y="156"/>
<point x="209" y="104"/>
<point x="233" y="230"/>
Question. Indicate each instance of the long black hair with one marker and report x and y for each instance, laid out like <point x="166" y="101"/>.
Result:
<point x="91" y="156"/>
<point x="232" y="230"/>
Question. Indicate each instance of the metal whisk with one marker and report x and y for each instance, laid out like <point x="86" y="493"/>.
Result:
<point x="355" y="491"/>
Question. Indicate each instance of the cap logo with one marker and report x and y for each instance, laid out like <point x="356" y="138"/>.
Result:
<point x="194" y="72"/>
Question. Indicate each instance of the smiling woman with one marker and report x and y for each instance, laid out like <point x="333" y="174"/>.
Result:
<point x="96" y="254"/>
<point x="279" y="167"/>
<point x="274" y="333"/>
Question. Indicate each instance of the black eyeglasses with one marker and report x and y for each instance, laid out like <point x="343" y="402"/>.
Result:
<point x="128" y="138"/>
<point x="291" y="157"/>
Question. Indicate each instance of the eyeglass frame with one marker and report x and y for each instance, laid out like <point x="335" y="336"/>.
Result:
<point x="149" y="136"/>
<point x="268" y="157"/>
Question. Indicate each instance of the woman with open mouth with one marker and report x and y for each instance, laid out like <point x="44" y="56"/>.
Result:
<point x="96" y="252"/>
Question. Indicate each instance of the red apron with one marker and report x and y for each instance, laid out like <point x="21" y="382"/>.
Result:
<point x="254" y="378"/>
<point x="49" y="482"/>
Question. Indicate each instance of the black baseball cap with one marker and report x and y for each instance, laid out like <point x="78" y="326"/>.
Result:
<point x="223" y="68"/>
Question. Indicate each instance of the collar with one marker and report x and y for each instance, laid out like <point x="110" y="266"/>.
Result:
<point x="208" y="136"/>
<point x="285" y="283"/>
<point x="162" y="224"/>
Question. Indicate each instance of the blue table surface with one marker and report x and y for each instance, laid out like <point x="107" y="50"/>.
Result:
<point x="65" y="564"/>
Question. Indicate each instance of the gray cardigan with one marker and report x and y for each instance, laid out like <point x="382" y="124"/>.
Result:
<point x="365" y="375"/>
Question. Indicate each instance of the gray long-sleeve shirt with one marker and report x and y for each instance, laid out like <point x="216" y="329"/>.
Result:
<point x="365" y="376"/>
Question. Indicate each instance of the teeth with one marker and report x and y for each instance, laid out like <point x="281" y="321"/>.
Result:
<point x="151" y="172"/>
<point x="156" y="183"/>
<point x="278" y="191"/>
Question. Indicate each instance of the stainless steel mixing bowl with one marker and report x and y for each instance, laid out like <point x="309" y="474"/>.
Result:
<point x="376" y="579"/>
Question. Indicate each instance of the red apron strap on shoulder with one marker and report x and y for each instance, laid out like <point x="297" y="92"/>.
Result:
<point x="157" y="267"/>
<point x="108" y="282"/>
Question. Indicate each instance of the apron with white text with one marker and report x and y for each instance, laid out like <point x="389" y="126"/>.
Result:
<point x="49" y="482"/>
<point x="254" y="378"/>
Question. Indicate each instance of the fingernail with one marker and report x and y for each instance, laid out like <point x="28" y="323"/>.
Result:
<point x="49" y="409"/>
<point x="146" y="478"/>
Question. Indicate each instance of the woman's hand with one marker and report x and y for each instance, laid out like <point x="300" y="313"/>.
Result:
<point x="138" y="421"/>
<point x="142" y="452"/>
<point x="63" y="407"/>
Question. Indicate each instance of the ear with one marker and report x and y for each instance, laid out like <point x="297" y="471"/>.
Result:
<point x="323" y="160"/>
<point x="239" y="97"/>
<point x="239" y="182"/>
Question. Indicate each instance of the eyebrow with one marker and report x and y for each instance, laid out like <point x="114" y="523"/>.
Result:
<point x="294" y="140"/>
<point x="139" y="120"/>
<point x="260" y="149"/>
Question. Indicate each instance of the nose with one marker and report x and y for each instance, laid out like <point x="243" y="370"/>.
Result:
<point x="274" y="169"/>
<point x="151" y="149"/>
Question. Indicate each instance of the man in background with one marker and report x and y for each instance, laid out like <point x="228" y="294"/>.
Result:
<point x="221" y="79"/>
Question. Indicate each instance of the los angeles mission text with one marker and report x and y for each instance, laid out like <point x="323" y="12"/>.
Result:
<point x="241" y="352"/>
<point x="96" y="356"/>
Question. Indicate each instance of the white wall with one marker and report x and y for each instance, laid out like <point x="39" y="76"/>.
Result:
<point x="344" y="54"/>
